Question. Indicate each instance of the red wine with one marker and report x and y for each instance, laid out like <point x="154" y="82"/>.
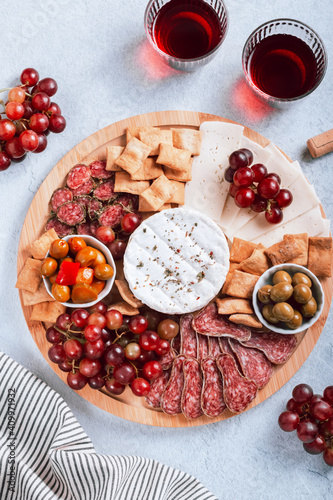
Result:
<point x="283" y="66"/>
<point x="187" y="29"/>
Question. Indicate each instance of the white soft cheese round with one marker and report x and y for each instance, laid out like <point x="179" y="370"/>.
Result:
<point x="176" y="261"/>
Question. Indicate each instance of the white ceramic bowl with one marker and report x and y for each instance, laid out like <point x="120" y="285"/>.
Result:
<point x="266" y="279"/>
<point x="93" y="242"/>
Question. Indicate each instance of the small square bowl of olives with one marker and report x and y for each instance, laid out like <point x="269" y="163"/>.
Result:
<point x="288" y="298"/>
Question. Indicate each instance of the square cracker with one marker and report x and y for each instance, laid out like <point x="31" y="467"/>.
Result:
<point x="241" y="285"/>
<point x="133" y="156"/>
<point x="124" y="308"/>
<point x="233" y="266"/>
<point x="250" y="320"/>
<point x="47" y="311"/>
<point x="148" y="171"/>
<point x="112" y="154"/>
<point x="320" y="256"/>
<point x="154" y="138"/>
<point x="180" y="175"/>
<point x="158" y="193"/>
<point x="126" y="293"/>
<point x="177" y="159"/>
<point x="145" y="208"/>
<point x="30" y="277"/>
<point x="125" y="184"/>
<point x="187" y="138"/>
<point x="178" y="193"/>
<point x="232" y="305"/>
<point x="241" y="250"/>
<point x="134" y="132"/>
<point x="284" y="251"/>
<point x="257" y="263"/>
<point x="303" y="242"/>
<point x="32" y="298"/>
<point x="40" y="247"/>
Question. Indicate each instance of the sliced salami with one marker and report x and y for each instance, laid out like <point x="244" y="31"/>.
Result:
<point x="238" y="391"/>
<point x="167" y="359"/>
<point x="188" y="337"/>
<point x="171" y="401"/>
<point x="93" y="226"/>
<point x="71" y="213"/>
<point x="175" y="344"/>
<point x="84" y="200"/>
<point x="84" y="228"/>
<point x="225" y="346"/>
<point x="212" y="401"/>
<point x="254" y="364"/>
<point x="94" y="207"/>
<point x="77" y="176"/>
<point x="130" y="201"/>
<point x="202" y="343"/>
<point x="157" y="388"/>
<point x="209" y="322"/>
<point x="277" y="347"/>
<point x="98" y="170"/>
<point x="61" y="229"/>
<point x="85" y="188"/>
<point x="105" y="191"/>
<point x="60" y="196"/>
<point x="191" y="397"/>
<point x="214" y="347"/>
<point x="111" y="216"/>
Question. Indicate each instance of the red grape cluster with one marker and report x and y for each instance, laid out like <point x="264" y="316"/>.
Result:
<point x="312" y="416"/>
<point x="254" y="187"/>
<point x="30" y="116"/>
<point x="103" y="348"/>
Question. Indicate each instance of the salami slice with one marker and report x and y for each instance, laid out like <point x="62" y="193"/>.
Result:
<point x="94" y="207"/>
<point x="214" y="347"/>
<point x="105" y="191"/>
<point x="61" y="229"/>
<point x="277" y="347"/>
<point x="93" y="226"/>
<point x="225" y="346"/>
<point x="83" y="199"/>
<point x="85" y="188"/>
<point x="77" y="176"/>
<point x="209" y="322"/>
<point x="254" y="364"/>
<point x="171" y="401"/>
<point x="188" y="337"/>
<point x="84" y="228"/>
<point x="111" y="216"/>
<point x="98" y="170"/>
<point x="191" y="397"/>
<point x="71" y="213"/>
<point x="60" y="196"/>
<point x="157" y="388"/>
<point x="130" y="201"/>
<point x="212" y="401"/>
<point x="166" y="360"/>
<point x="202" y="342"/>
<point x="175" y="344"/>
<point x="238" y="391"/>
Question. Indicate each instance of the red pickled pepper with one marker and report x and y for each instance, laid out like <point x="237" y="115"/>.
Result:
<point x="67" y="273"/>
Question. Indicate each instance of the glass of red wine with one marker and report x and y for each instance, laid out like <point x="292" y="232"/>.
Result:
<point x="186" y="33"/>
<point x="284" y="61"/>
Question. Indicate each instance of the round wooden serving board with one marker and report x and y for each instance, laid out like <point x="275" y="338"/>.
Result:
<point x="127" y="405"/>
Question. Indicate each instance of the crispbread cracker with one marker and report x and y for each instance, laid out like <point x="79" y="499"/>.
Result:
<point x="180" y="175"/>
<point x="40" y="247"/>
<point x="232" y="305"/>
<point x="320" y="256"/>
<point x="126" y="293"/>
<point x="145" y="207"/>
<point x="257" y="263"/>
<point x="250" y="320"/>
<point x="178" y="193"/>
<point x="241" y="285"/>
<point x="154" y="137"/>
<point x="112" y="154"/>
<point x="32" y="298"/>
<point x="232" y="267"/>
<point x="47" y="311"/>
<point x="241" y="250"/>
<point x="148" y="171"/>
<point x="177" y="159"/>
<point x="284" y="251"/>
<point x="303" y="242"/>
<point x="134" y="132"/>
<point x="125" y="184"/>
<point x="157" y="194"/>
<point x="186" y="138"/>
<point x="133" y="156"/>
<point x="30" y="277"/>
<point x="124" y="308"/>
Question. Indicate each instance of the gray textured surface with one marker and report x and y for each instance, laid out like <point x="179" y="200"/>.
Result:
<point x="98" y="54"/>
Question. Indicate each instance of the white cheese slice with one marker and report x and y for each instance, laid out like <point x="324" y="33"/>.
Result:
<point x="176" y="261"/>
<point x="260" y="155"/>
<point x="310" y="222"/>
<point x="327" y="229"/>
<point x="207" y="191"/>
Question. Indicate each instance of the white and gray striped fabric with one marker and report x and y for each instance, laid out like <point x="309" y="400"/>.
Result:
<point x="45" y="454"/>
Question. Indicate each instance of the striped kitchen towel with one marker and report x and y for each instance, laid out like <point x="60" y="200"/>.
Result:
<point x="45" y="454"/>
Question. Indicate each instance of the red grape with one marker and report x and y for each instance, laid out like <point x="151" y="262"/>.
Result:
<point x="315" y="447"/>
<point x="238" y="159"/>
<point x="53" y="335"/>
<point x="233" y="189"/>
<point x="65" y="366"/>
<point x="124" y="373"/>
<point x="229" y="174"/>
<point x="92" y="332"/>
<point x="117" y="249"/>
<point x="105" y="234"/>
<point x="29" y="140"/>
<point x="153" y="318"/>
<point x="20" y="159"/>
<point x="274" y="215"/>
<point x="29" y="77"/>
<point x="146" y="356"/>
<point x="315" y="399"/>
<point x="292" y="405"/>
<point x="5" y="160"/>
<point x="114" y="387"/>
<point x="259" y="204"/>
<point x="42" y="143"/>
<point x="34" y="90"/>
<point x="243" y="177"/>
<point x="14" y="110"/>
<point x="29" y="110"/>
<point x="132" y="351"/>
<point x="76" y="381"/>
<point x="288" y="421"/>
<point x="138" y="324"/>
<point x="96" y="382"/>
<point x="73" y="349"/>
<point x="7" y="130"/>
<point x="268" y="188"/>
<point x="149" y="340"/>
<point x="307" y="431"/>
<point x="302" y="393"/>
<point x="57" y="354"/>
<point x="97" y="319"/>
<point x="328" y="456"/>
<point x="284" y="198"/>
<point x="57" y="123"/>
<point x="114" y="355"/>
<point x="244" y="197"/>
<point x="152" y="370"/>
<point x="168" y="329"/>
<point x="94" y="350"/>
<point x="114" y="319"/>
<point x="14" y="148"/>
<point x="140" y="387"/>
<point x="89" y="367"/>
<point x="106" y="335"/>
<point x="39" y="122"/>
<point x="80" y="317"/>
<point x="328" y="394"/>
<point x="274" y="176"/>
<point x="248" y="153"/>
<point x="16" y="94"/>
<point x="54" y="108"/>
<point x="322" y="410"/>
<point x="41" y="101"/>
<point x="48" y="85"/>
<point x="100" y="307"/>
<point x="130" y="222"/>
<point x="260" y="171"/>
<point x="63" y="321"/>
<point x="163" y="348"/>
<point x="326" y="428"/>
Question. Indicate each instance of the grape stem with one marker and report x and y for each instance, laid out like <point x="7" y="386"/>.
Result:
<point x="5" y="90"/>
<point x="135" y="368"/>
<point x="119" y="336"/>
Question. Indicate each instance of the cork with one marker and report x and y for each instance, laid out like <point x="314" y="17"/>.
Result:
<point x="321" y="144"/>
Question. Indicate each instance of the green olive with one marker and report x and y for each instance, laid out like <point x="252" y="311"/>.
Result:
<point x="264" y="294"/>
<point x="283" y="311"/>
<point x="268" y="314"/>
<point x="49" y="266"/>
<point x="281" y="277"/>
<point x="302" y="293"/>
<point x="310" y="308"/>
<point x="296" y="321"/>
<point x="301" y="278"/>
<point x="281" y="292"/>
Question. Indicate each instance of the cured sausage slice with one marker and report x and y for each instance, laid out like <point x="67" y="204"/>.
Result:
<point x="98" y="170"/>
<point x="171" y="402"/>
<point x="157" y="388"/>
<point x="94" y="208"/>
<point x="60" y="196"/>
<point x="71" y="213"/>
<point x="84" y="228"/>
<point x="77" y="176"/>
<point x="105" y="191"/>
<point x="254" y="364"/>
<point x="277" y="347"/>
<point x="85" y="188"/>
<point x="214" y="347"/>
<point x="175" y="343"/>
<point x="188" y="337"/>
<point x="111" y="216"/>
<point x="191" y="398"/>
<point x="128" y="200"/>
<point x="83" y="199"/>
<point x="93" y="226"/>
<point x="61" y="229"/>
<point x="202" y="347"/>
<point x="225" y="346"/>
<point x="166" y="360"/>
<point x="238" y="391"/>
<point x="209" y="322"/>
<point x="212" y="401"/>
